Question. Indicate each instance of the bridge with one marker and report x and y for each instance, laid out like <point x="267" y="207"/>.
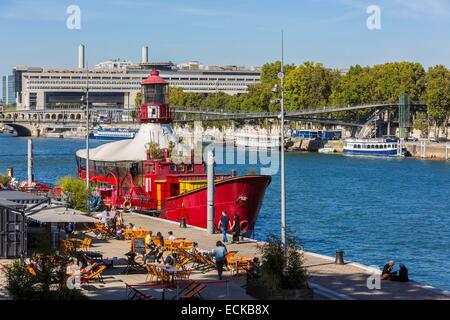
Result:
<point x="36" y="122"/>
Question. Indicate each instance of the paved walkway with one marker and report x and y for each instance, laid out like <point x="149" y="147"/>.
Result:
<point x="330" y="281"/>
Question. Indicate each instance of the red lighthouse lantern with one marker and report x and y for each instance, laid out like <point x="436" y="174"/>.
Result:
<point x="155" y="100"/>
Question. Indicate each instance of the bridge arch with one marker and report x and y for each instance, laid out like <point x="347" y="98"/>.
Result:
<point x="22" y="130"/>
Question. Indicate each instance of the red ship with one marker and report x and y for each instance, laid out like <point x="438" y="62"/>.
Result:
<point x="142" y="173"/>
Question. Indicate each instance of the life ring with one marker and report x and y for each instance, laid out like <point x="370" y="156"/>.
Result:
<point x="244" y="226"/>
<point x="242" y="201"/>
<point x="126" y="204"/>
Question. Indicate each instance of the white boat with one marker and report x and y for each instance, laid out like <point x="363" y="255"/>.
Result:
<point x="327" y="150"/>
<point x="112" y="134"/>
<point x="385" y="147"/>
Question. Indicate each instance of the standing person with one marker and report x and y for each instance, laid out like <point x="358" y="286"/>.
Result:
<point x="104" y="216"/>
<point x="219" y="253"/>
<point x="119" y="219"/>
<point x="224" y="224"/>
<point x="236" y="228"/>
<point x="112" y="216"/>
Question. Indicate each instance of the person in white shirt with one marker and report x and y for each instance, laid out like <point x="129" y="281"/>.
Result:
<point x="171" y="236"/>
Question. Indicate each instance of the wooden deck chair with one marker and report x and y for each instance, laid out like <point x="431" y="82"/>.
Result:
<point x="206" y="264"/>
<point x="151" y="273"/>
<point x="135" y="294"/>
<point x="31" y="271"/>
<point x="168" y="245"/>
<point x="190" y="286"/>
<point x="193" y="293"/>
<point x="86" y="244"/>
<point x="184" y="274"/>
<point x="243" y="264"/>
<point x="231" y="261"/>
<point x="187" y="245"/>
<point x="94" y="275"/>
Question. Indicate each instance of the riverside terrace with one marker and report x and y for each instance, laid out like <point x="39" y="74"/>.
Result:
<point x="329" y="280"/>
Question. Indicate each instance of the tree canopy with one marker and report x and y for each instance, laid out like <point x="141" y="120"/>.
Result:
<point x="311" y="85"/>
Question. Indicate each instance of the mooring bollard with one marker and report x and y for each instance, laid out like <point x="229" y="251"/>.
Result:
<point x="339" y="257"/>
<point x="183" y="223"/>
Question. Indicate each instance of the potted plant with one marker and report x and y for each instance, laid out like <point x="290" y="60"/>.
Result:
<point x="282" y="275"/>
<point x="154" y="151"/>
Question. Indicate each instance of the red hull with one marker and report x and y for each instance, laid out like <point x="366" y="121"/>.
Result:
<point x="239" y="195"/>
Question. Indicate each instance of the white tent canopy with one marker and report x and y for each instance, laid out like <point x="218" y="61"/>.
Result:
<point x="135" y="149"/>
<point x="59" y="214"/>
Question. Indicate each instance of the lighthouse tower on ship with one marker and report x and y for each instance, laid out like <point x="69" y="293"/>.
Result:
<point x="155" y="101"/>
<point x="141" y="173"/>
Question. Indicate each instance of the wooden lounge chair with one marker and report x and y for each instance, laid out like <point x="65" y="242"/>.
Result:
<point x="151" y="273"/>
<point x="94" y="275"/>
<point x="135" y="294"/>
<point x="157" y="241"/>
<point x="204" y="263"/>
<point x="230" y="259"/>
<point x="86" y="244"/>
<point x="168" y="245"/>
<point x="187" y="245"/>
<point x="243" y="264"/>
<point x="184" y="274"/>
<point x="193" y="293"/>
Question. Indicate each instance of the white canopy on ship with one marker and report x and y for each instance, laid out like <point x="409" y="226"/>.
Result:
<point x="135" y="149"/>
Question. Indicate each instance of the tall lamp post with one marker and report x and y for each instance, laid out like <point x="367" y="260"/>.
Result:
<point x="85" y="100"/>
<point x="276" y="89"/>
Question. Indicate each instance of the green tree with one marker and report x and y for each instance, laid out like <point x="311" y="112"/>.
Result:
<point x="75" y="192"/>
<point x="138" y="100"/>
<point x="309" y="86"/>
<point x="421" y="123"/>
<point x="438" y="96"/>
<point x="393" y="79"/>
<point x="4" y="180"/>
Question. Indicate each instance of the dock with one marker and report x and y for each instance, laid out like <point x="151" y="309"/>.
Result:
<point x="329" y="280"/>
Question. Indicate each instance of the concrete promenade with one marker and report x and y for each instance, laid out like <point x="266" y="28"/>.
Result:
<point x="329" y="281"/>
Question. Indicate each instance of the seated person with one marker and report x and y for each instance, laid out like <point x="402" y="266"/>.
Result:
<point x="402" y="274"/>
<point x="88" y="267"/>
<point x="149" y="240"/>
<point x="131" y="226"/>
<point x="194" y="249"/>
<point x="171" y="236"/>
<point x="161" y="238"/>
<point x="387" y="270"/>
<point x="171" y="260"/>
<point x="120" y="234"/>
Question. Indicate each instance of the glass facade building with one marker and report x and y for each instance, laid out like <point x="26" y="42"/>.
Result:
<point x="8" y="91"/>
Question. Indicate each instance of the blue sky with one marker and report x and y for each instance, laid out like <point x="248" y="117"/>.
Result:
<point x="240" y="32"/>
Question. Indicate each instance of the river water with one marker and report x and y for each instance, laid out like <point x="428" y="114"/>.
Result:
<point x="374" y="209"/>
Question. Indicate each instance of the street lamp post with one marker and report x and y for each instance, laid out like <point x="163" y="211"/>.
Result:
<point x="85" y="100"/>
<point x="283" y="179"/>
<point x="283" y="182"/>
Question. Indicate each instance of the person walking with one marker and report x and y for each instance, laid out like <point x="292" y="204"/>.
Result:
<point x="224" y="225"/>
<point x="236" y="228"/>
<point x="219" y="253"/>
